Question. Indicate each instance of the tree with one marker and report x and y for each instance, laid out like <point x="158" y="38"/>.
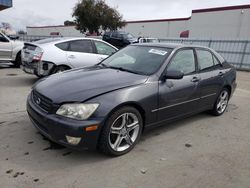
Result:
<point x="93" y="15"/>
<point x="69" y="23"/>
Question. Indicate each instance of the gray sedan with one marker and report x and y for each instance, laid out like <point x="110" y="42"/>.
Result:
<point x="108" y="106"/>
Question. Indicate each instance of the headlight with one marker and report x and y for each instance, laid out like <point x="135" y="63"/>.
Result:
<point x="77" y="111"/>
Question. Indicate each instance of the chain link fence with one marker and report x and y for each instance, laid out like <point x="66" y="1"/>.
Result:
<point x="236" y="52"/>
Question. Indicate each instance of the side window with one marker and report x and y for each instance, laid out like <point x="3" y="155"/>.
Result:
<point x="183" y="61"/>
<point x="3" y="39"/>
<point x="205" y="59"/>
<point x="63" y="46"/>
<point x="103" y="48"/>
<point x="114" y="35"/>
<point x="84" y="46"/>
<point x="119" y="36"/>
<point x="216" y="62"/>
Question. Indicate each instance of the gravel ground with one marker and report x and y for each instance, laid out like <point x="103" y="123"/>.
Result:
<point x="200" y="151"/>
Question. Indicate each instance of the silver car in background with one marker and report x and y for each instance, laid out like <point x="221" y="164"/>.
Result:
<point x="10" y="50"/>
<point x="49" y="56"/>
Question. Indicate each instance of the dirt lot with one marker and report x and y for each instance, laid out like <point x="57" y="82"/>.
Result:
<point x="200" y="151"/>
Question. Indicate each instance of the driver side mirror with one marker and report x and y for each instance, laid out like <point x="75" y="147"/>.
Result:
<point x="173" y="74"/>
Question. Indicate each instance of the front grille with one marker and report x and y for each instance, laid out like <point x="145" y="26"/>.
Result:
<point x="43" y="102"/>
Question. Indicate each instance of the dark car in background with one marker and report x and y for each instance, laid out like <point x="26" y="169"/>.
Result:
<point x="119" y="39"/>
<point x="107" y="106"/>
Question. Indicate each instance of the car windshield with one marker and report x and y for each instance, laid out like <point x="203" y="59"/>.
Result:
<point x="144" y="60"/>
<point x="128" y="36"/>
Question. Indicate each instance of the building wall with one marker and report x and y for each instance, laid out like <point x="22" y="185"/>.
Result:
<point x="221" y="24"/>
<point x="65" y="31"/>
<point x="159" y="29"/>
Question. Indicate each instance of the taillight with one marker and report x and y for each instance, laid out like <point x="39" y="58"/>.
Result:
<point x="37" y="56"/>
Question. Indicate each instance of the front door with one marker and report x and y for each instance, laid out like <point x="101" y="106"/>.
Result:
<point x="179" y="97"/>
<point x="5" y="48"/>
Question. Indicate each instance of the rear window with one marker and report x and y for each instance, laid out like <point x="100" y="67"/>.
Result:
<point x="63" y="46"/>
<point x="29" y="47"/>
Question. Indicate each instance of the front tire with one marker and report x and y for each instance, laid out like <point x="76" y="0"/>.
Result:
<point x="121" y="131"/>
<point x="221" y="103"/>
<point x="18" y="60"/>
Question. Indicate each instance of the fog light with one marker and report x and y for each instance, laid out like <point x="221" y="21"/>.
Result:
<point x="73" y="140"/>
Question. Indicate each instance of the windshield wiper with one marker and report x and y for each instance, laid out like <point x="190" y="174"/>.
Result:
<point x="119" y="68"/>
<point x="122" y="69"/>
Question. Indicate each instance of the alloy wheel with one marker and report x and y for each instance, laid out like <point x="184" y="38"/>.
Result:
<point x="124" y="132"/>
<point x="222" y="102"/>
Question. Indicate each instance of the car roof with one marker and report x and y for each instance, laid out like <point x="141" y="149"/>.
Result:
<point x="62" y="39"/>
<point x="53" y="41"/>
<point x="169" y="45"/>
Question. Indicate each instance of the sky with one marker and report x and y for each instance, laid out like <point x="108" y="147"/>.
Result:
<point x="55" y="12"/>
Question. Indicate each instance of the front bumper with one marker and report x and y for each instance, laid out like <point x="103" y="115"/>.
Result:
<point x="56" y="128"/>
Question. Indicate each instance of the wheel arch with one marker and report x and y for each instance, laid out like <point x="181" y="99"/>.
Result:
<point x="133" y="104"/>
<point x="227" y="86"/>
<point x="60" y="65"/>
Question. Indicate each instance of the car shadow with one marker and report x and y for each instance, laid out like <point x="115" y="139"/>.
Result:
<point x="161" y="129"/>
<point x="4" y="65"/>
<point x="46" y="155"/>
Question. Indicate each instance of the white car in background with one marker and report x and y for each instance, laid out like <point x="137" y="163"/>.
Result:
<point x="10" y="50"/>
<point x="49" y="56"/>
<point x="148" y="40"/>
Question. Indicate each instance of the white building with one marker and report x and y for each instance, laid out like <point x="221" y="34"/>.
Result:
<point x="224" y="23"/>
<point x="60" y="30"/>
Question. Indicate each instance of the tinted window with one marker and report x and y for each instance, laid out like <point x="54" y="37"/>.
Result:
<point x="114" y="35"/>
<point x="63" y="46"/>
<point x="139" y="59"/>
<point x="3" y="39"/>
<point x="216" y="62"/>
<point x="205" y="59"/>
<point x="84" y="46"/>
<point x="103" y="48"/>
<point x="183" y="61"/>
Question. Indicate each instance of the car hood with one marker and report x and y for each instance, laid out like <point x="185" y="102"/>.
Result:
<point x="82" y="84"/>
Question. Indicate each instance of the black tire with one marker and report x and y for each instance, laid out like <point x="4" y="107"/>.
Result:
<point x="105" y="138"/>
<point x="60" y="69"/>
<point x="217" y="111"/>
<point x="18" y="60"/>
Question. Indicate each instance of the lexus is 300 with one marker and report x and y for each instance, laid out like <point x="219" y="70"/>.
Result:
<point x="109" y="105"/>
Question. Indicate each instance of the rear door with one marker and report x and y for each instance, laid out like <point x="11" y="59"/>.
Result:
<point x="179" y="97"/>
<point x="211" y="74"/>
<point x="5" y="48"/>
<point x="81" y="53"/>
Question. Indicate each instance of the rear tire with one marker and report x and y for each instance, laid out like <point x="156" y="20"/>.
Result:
<point x="221" y="103"/>
<point x="18" y="60"/>
<point x="121" y="132"/>
<point x="59" y="69"/>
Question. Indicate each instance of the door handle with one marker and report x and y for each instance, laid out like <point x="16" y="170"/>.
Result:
<point x="221" y="74"/>
<point x="72" y="57"/>
<point x="195" y="79"/>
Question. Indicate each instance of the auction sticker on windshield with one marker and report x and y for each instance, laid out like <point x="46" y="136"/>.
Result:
<point x="158" y="52"/>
